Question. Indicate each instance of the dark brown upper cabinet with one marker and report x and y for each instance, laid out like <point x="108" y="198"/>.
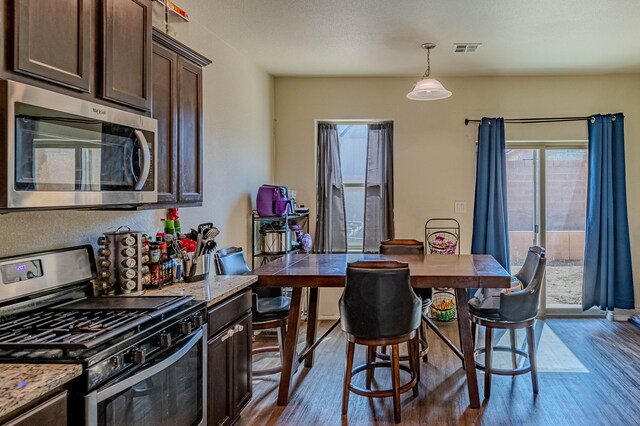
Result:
<point x="53" y="41"/>
<point x="177" y="105"/>
<point x="190" y="131"/>
<point x="164" y="108"/>
<point x="126" y="48"/>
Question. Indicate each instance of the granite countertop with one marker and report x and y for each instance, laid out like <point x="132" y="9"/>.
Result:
<point x="23" y="383"/>
<point x="214" y="289"/>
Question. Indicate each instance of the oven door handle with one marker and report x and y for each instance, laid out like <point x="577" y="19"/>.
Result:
<point x="95" y="397"/>
<point x="141" y="141"/>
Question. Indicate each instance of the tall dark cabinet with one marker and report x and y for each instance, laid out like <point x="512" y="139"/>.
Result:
<point x="42" y="50"/>
<point x="177" y="105"/>
<point x="165" y="109"/>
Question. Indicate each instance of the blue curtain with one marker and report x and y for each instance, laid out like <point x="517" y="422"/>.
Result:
<point x="607" y="281"/>
<point x="490" y="225"/>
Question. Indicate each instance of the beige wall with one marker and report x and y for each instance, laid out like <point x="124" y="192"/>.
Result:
<point x="434" y="150"/>
<point x="238" y="105"/>
<point x="238" y="143"/>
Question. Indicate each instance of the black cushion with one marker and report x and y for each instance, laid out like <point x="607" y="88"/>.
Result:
<point x="265" y="308"/>
<point x="488" y="308"/>
<point x="378" y="301"/>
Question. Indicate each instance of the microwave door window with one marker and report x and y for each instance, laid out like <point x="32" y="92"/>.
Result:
<point x="57" y="154"/>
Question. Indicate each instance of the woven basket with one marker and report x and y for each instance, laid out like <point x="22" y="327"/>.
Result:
<point x="443" y="306"/>
<point x="442" y="242"/>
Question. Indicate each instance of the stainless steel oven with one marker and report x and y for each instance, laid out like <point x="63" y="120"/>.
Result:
<point x="167" y="389"/>
<point x="67" y="152"/>
<point x="143" y="358"/>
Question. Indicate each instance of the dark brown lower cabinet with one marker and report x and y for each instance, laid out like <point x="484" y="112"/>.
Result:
<point x="52" y="412"/>
<point x="229" y="361"/>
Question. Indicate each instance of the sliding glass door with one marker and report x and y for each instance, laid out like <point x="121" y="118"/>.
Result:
<point x="547" y="195"/>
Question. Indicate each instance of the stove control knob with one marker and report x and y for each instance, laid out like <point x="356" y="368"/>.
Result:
<point x="186" y="328"/>
<point x="197" y="321"/>
<point x="165" y="340"/>
<point x="137" y="356"/>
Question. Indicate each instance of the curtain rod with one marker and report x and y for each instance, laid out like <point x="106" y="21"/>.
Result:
<point x="533" y="120"/>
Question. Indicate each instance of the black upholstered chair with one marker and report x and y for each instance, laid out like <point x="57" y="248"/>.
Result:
<point x="411" y="246"/>
<point x="511" y="311"/>
<point x="379" y="308"/>
<point x="270" y="308"/>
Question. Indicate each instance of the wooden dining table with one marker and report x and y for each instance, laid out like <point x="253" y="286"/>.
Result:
<point x="314" y="271"/>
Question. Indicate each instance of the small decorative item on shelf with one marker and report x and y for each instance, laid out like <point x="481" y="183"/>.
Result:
<point x="443" y="306"/>
<point x="306" y="242"/>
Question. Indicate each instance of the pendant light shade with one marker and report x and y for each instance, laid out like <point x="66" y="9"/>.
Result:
<point x="428" y="88"/>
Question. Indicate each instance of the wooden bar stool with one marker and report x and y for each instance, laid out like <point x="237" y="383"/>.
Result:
<point x="511" y="311"/>
<point x="410" y="246"/>
<point x="379" y="308"/>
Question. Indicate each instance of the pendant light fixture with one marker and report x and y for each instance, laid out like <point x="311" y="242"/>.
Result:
<point x="428" y="88"/>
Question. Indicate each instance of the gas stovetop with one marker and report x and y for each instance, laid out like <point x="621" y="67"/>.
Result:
<point x="78" y="329"/>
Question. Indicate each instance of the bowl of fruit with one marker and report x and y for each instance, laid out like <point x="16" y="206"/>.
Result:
<point x="443" y="307"/>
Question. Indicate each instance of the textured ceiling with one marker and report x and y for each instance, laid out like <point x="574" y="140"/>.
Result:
<point x="383" y="37"/>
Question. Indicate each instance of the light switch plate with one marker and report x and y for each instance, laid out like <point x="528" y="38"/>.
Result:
<point x="460" y="207"/>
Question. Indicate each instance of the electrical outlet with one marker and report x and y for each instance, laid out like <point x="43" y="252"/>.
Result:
<point x="460" y="207"/>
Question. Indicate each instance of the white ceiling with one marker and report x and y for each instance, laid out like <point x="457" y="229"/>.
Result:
<point x="383" y="37"/>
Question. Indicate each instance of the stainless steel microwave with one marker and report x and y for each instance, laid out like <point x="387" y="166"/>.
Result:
<point x="64" y="152"/>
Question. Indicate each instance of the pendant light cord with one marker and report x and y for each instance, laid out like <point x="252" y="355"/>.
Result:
<point x="427" y="73"/>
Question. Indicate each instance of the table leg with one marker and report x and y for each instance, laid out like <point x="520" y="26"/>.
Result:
<point x="312" y="324"/>
<point x="464" y="322"/>
<point x="290" y="343"/>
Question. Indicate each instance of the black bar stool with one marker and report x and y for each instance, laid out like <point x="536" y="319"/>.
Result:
<point x="511" y="311"/>
<point x="270" y="308"/>
<point x="378" y="308"/>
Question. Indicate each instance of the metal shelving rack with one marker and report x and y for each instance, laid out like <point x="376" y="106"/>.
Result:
<point x="257" y="222"/>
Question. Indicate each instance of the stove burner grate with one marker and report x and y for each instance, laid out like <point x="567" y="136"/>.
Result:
<point x="51" y="329"/>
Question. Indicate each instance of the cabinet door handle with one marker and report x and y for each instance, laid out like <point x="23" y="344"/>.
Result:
<point x="238" y="328"/>
<point x="228" y="334"/>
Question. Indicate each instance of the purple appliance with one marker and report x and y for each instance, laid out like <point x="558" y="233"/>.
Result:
<point x="272" y="201"/>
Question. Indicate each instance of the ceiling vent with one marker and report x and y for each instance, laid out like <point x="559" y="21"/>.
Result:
<point x="466" y="47"/>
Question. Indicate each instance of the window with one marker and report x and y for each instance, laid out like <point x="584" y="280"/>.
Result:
<point x="352" y="139"/>
<point x="355" y="185"/>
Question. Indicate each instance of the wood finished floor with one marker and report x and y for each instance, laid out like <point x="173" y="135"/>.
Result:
<point x="590" y="376"/>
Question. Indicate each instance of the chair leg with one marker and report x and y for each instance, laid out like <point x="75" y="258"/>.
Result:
<point x="282" y="332"/>
<point x="347" y="376"/>
<point x="371" y="357"/>
<point x="395" y="378"/>
<point x="474" y="329"/>
<point x="460" y="341"/>
<point x="487" y="361"/>
<point x="414" y="360"/>
<point x="531" y="343"/>
<point x="423" y="333"/>
<point x="512" y="338"/>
